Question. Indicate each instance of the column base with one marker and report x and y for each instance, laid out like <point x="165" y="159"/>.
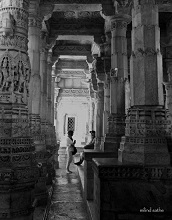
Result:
<point x="16" y="204"/>
<point x="128" y="191"/>
<point x="145" y="139"/>
<point x="111" y="144"/>
<point x="41" y="191"/>
<point x="144" y="150"/>
<point x="115" y="130"/>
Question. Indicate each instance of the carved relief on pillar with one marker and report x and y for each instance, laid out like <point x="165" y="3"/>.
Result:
<point x="13" y="25"/>
<point x="14" y="78"/>
<point x="116" y="125"/>
<point x="146" y="128"/>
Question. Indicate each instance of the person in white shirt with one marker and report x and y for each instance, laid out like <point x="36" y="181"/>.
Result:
<point x="69" y="144"/>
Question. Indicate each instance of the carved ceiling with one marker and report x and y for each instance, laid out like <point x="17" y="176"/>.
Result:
<point x="77" y="21"/>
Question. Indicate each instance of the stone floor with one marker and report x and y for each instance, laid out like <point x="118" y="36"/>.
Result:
<point x="67" y="202"/>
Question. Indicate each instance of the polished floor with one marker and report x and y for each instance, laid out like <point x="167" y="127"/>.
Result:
<point x="67" y="202"/>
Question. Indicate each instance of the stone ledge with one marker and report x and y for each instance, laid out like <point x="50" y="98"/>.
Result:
<point x="113" y="169"/>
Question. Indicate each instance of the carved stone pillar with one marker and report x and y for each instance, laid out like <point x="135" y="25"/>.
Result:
<point x="34" y="31"/>
<point x="146" y="123"/>
<point x="106" y="102"/>
<point x="52" y="106"/>
<point x="107" y="67"/>
<point x="116" y="119"/>
<point x="99" y="115"/>
<point x="94" y="88"/>
<point x="92" y="111"/>
<point x="49" y="134"/>
<point x="127" y="96"/>
<point x="17" y="160"/>
<point x="43" y="72"/>
<point x="100" y="74"/>
<point x="53" y="120"/>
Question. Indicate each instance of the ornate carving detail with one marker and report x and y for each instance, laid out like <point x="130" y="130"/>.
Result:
<point x="146" y="52"/>
<point x="16" y="42"/>
<point x="18" y="16"/>
<point x="74" y="92"/>
<point x="7" y="24"/>
<point x="123" y="6"/>
<point x="135" y="172"/>
<point x="35" y="22"/>
<point x="146" y="123"/>
<point x="118" y="24"/>
<point x="14" y="3"/>
<point x="16" y="126"/>
<point x="116" y="125"/>
<point x="14" y="77"/>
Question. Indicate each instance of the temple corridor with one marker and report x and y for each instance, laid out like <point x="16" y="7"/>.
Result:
<point x="67" y="199"/>
<point x="103" y="66"/>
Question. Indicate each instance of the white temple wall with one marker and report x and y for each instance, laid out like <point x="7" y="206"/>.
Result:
<point x="77" y="108"/>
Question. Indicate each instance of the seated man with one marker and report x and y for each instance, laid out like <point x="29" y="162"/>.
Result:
<point x="88" y="146"/>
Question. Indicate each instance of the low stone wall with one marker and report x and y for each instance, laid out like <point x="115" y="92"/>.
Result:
<point x="132" y="192"/>
<point x="88" y="171"/>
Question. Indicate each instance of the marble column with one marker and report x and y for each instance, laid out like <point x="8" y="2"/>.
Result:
<point x="127" y="95"/>
<point x="107" y="68"/>
<point x="106" y="104"/>
<point x="119" y="66"/>
<point x="18" y="166"/>
<point x="94" y="88"/>
<point x="49" y="134"/>
<point x="145" y="134"/>
<point x="43" y="73"/>
<point x="34" y="31"/>
<point x="53" y="106"/>
<point x="92" y="108"/>
<point x="99" y="115"/>
<point x="54" y="137"/>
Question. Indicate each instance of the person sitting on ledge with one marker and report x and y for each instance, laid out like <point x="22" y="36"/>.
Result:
<point x="88" y="146"/>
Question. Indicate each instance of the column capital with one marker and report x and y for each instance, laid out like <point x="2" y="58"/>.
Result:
<point x="34" y="21"/>
<point x="120" y="21"/>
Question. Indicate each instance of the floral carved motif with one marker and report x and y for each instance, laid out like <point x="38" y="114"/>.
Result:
<point x="17" y="42"/>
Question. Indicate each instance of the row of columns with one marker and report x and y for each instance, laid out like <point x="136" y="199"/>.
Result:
<point x="141" y="96"/>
